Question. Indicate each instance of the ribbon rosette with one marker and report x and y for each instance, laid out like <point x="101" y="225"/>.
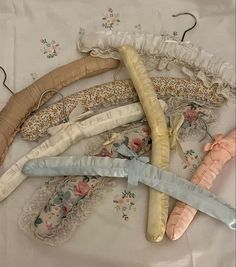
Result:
<point x="216" y="144"/>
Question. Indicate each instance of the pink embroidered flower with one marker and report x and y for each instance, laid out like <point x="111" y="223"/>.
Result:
<point x="146" y="130"/>
<point x="215" y="145"/>
<point x="136" y="144"/>
<point x="65" y="210"/>
<point x="104" y="153"/>
<point x="190" y="115"/>
<point x="81" y="188"/>
<point x="48" y="225"/>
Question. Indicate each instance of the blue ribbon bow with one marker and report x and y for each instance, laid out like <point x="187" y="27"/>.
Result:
<point x="134" y="165"/>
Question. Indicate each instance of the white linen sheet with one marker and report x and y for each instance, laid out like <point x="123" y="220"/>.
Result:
<point x="38" y="36"/>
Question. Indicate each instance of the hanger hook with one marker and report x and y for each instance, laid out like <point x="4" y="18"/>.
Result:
<point x="66" y="118"/>
<point x="206" y="131"/>
<point x="195" y="22"/>
<point x="4" y="80"/>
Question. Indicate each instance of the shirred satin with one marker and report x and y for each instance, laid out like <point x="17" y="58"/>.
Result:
<point x="158" y="202"/>
<point x="220" y="152"/>
<point x="195" y="62"/>
<point x="152" y="176"/>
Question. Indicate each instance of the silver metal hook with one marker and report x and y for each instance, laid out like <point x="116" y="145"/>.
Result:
<point x="206" y="131"/>
<point x="66" y="117"/>
<point x="195" y="22"/>
<point x="4" y="80"/>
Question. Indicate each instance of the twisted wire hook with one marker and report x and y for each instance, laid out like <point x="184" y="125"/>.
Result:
<point x="206" y="131"/>
<point x="66" y="117"/>
<point x="4" y="80"/>
<point x="189" y="29"/>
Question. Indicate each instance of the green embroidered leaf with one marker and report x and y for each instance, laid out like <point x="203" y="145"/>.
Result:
<point x="47" y="208"/>
<point x="67" y="195"/>
<point x="57" y="200"/>
<point x="38" y="221"/>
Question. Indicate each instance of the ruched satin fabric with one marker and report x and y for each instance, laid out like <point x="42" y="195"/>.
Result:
<point x="158" y="202"/>
<point x="154" y="177"/>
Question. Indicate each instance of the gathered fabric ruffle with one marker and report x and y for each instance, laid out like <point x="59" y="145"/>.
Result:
<point x="160" y="52"/>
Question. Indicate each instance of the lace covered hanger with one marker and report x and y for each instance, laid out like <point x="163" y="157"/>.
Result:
<point x="159" y="51"/>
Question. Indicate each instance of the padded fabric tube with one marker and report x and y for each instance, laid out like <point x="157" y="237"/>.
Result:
<point x="24" y="102"/>
<point x="158" y="202"/>
<point x="220" y="152"/>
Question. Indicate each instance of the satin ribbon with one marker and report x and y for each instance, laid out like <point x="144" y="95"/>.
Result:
<point x="134" y="170"/>
<point x="218" y="139"/>
<point x="147" y="174"/>
<point x="77" y="114"/>
<point x="175" y="124"/>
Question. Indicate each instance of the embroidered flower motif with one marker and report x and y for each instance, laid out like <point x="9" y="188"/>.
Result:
<point x="111" y="19"/>
<point x="135" y="144"/>
<point x="138" y="28"/>
<point x="124" y="203"/>
<point x="34" y="75"/>
<point x="191" y="159"/>
<point x="173" y="36"/>
<point x="50" y="49"/>
<point x="48" y="225"/>
<point x="215" y="145"/>
<point x="81" y="188"/>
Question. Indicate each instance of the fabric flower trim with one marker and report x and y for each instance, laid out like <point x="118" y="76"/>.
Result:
<point x="63" y="201"/>
<point x="50" y="49"/>
<point x="191" y="114"/>
<point x="75" y="190"/>
<point x="81" y="189"/>
<point x="216" y="145"/>
<point x="111" y="19"/>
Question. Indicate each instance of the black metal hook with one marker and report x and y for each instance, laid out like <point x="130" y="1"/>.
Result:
<point x="195" y="22"/>
<point x="4" y="80"/>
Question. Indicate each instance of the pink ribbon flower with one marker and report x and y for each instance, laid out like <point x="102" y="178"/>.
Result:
<point x="215" y="145"/>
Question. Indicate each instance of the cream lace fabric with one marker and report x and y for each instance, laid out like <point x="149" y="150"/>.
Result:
<point x="78" y="215"/>
<point x="104" y="143"/>
<point x="159" y="52"/>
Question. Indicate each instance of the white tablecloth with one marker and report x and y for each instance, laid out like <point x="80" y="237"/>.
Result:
<point x="106" y="239"/>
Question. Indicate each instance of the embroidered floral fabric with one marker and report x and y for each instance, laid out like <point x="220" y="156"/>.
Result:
<point x="191" y="97"/>
<point x="66" y="203"/>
